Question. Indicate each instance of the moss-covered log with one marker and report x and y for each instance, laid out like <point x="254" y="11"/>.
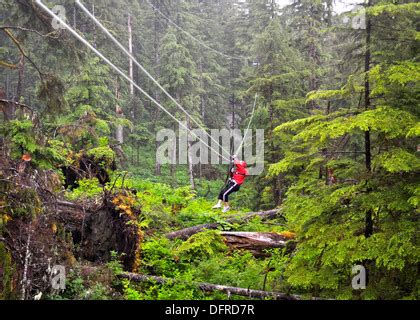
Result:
<point x="209" y="287"/>
<point x="187" y="232"/>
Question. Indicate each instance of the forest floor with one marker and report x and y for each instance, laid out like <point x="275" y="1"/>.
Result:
<point x="114" y="238"/>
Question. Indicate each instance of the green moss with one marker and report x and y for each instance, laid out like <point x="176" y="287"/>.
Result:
<point x="6" y="273"/>
<point x="28" y="206"/>
<point x="87" y="189"/>
<point x="103" y="155"/>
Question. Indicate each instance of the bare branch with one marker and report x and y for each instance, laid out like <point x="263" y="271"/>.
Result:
<point x="18" y="104"/>
<point x="8" y="65"/>
<point x="22" y="51"/>
<point x="48" y="35"/>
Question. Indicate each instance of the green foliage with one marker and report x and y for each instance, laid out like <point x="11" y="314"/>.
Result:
<point x="392" y="8"/>
<point x="330" y="216"/>
<point x="180" y="290"/>
<point x="104" y="156"/>
<point x="257" y="225"/>
<point x="87" y="189"/>
<point x="398" y="160"/>
<point x="238" y="269"/>
<point x="82" y="287"/>
<point x="23" y="139"/>
<point x="385" y="120"/>
<point x="27" y="206"/>
<point x="308" y="72"/>
<point x="7" y="270"/>
<point x="291" y="160"/>
<point x="158" y="257"/>
<point x="115" y="265"/>
<point x="130" y="293"/>
<point x="99" y="292"/>
<point x="56" y="152"/>
<point x="324" y="94"/>
<point x="74" y="286"/>
<point x="203" y="244"/>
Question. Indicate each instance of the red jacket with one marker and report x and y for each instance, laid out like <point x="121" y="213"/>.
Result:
<point x="239" y="173"/>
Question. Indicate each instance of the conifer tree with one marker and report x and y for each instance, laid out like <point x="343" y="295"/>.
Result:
<point x="360" y="210"/>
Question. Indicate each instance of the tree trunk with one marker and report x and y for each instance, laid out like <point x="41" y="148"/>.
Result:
<point x="25" y="281"/>
<point x="190" y="164"/>
<point x="202" y="111"/>
<point x="19" y="90"/>
<point x="368" y="152"/>
<point x="203" y="95"/>
<point x="94" y="27"/>
<point x="158" y="167"/>
<point x="174" y="157"/>
<point x="156" y="41"/>
<point x="232" y="125"/>
<point x="7" y="108"/>
<point x="74" y="16"/>
<point x="118" y="111"/>
<point x="274" y="184"/>
<point x="130" y="67"/>
<point x="187" y="232"/>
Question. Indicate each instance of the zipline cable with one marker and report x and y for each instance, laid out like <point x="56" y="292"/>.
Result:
<point x="231" y="165"/>
<point x="100" y="25"/>
<point x="118" y="70"/>
<point x="194" y="38"/>
<point x="249" y="124"/>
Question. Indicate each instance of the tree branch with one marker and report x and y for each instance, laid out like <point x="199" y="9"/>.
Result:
<point x="8" y="65"/>
<point x="48" y="35"/>
<point x="22" y="51"/>
<point x="18" y="104"/>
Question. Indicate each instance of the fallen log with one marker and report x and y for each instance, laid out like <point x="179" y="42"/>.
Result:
<point x="255" y="239"/>
<point x="250" y="293"/>
<point x="187" y="232"/>
<point x="73" y="205"/>
<point x="255" y="242"/>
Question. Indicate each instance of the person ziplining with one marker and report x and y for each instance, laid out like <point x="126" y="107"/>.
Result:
<point x="238" y="174"/>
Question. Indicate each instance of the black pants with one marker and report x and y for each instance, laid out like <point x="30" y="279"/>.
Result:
<point x="230" y="188"/>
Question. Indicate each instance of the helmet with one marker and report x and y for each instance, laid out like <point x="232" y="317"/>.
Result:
<point x="243" y="164"/>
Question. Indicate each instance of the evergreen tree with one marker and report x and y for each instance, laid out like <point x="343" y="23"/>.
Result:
<point x="360" y="210"/>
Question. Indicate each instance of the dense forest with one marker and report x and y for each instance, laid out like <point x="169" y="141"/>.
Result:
<point x="334" y="212"/>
